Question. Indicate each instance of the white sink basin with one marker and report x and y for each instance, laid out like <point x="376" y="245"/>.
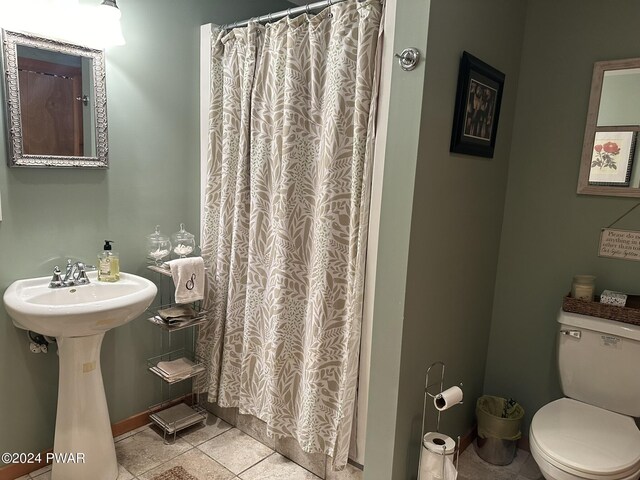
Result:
<point x="79" y="317"/>
<point x="77" y="311"/>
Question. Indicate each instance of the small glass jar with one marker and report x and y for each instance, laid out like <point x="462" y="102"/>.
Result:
<point x="184" y="243"/>
<point x="158" y="246"/>
<point x="583" y="287"/>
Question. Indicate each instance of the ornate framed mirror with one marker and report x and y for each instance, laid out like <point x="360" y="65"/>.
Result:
<point x="610" y="162"/>
<point x="56" y="103"/>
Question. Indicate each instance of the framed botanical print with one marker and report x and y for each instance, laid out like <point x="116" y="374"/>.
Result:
<point x="612" y="158"/>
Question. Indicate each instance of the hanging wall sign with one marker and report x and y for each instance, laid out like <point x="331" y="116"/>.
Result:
<point x="624" y="244"/>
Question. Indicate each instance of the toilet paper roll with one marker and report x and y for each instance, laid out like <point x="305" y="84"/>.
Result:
<point x="447" y="399"/>
<point x="436" y="467"/>
<point x="434" y="441"/>
<point x="433" y="464"/>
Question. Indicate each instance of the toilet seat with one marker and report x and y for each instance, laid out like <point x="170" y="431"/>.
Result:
<point x="586" y="441"/>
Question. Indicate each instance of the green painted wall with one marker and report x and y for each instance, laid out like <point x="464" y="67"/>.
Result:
<point x="550" y="233"/>
<point x="51" y="214"/>
<point x="400" y="111"/>
<point x="458" y="206"/>
<point x="456" y="218"/>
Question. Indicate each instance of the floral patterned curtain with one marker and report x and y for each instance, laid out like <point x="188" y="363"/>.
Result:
<point x="286" y="218"/>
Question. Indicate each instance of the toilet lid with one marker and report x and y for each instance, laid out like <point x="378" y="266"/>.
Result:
<point x="587" y="438"/>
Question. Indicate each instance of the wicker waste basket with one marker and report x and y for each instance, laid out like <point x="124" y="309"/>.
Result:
<point x="499" y="422"/>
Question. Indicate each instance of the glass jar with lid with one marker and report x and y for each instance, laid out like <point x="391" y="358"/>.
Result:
<point x="184" y="243"/>
<point x="158" y="246"/>
<point x="583" y="287"/>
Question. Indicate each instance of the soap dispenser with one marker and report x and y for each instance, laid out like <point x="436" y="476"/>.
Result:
<point x="108" y="264"/>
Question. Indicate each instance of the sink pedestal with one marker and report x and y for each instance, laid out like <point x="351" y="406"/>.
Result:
<point x="82" y="421"/>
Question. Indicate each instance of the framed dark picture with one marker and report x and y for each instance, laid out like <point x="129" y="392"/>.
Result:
<point x="475" y="119"/>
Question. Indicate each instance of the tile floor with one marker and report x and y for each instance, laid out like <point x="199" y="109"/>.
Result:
<point x="472" y="467"/>
<point x="217" y="451"/>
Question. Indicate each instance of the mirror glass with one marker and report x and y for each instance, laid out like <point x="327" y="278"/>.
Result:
<point x="610" y="160"/>
<point x="620" y="98"/>
<point x="56" y="103"/>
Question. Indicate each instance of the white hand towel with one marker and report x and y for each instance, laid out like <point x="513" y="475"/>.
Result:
<point x="188" y="277"/>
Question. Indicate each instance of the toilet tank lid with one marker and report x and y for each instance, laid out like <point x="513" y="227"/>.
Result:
<point x="619" y="329"/>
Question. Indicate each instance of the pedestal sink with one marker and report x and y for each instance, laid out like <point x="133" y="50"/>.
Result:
<point x="78" y="317"/>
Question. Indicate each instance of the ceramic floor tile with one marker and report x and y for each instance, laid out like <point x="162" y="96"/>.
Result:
<point x="132" y="432"/>
<point x="530" y="470"/>
<point x="198" y="434"/>
<point x="42" y="470"/>
<point x="349" y="473"/>
<point x="472" y="467"/>
<point x="43" y="476"/>
<point x="196" y="463"/>
<point x="235" y="450"/>
<point x="462" y="477"/>
<point x="123" y="473"/>
<point x="277" y="467"/>
<point x="146" y="450"/>
<point x="43" y="473"/>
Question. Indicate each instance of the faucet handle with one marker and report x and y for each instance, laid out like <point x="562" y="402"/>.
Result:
<point x="81" y="278"/>
<point x="56" y="279"/>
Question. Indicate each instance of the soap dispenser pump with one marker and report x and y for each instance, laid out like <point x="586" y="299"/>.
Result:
<point x="108" y="264"/>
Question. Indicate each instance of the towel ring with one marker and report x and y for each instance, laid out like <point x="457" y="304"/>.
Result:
<point x="288" y="12"/>
<point x="306" y="8"/>
<point x="269" y="18"/>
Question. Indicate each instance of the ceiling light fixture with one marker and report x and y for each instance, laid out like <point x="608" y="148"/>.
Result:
<point x="110" y="18"/>
<point x="111" y="3"/>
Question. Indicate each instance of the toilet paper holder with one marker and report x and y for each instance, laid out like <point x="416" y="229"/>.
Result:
<point x="440" y="395"/>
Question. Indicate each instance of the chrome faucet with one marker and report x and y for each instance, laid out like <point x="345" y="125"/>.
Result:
<point x="75" y="274"/>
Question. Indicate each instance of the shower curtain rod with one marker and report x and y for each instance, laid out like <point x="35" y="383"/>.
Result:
<point x="284" y="13"/>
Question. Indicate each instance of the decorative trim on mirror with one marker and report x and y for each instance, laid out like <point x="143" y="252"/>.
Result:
<point x="17" y="157"/>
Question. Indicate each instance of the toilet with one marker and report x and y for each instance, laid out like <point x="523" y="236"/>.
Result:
<point x="591" y="433"/>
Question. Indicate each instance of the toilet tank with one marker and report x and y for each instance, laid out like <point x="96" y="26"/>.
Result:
<point x="599" y="362"/>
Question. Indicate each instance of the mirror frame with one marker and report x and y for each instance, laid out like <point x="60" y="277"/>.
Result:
<point x="591" y="128"/>
<point x="17" y="157"/>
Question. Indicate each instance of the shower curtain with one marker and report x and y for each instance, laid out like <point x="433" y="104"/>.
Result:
<point x="286" y="208"/>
